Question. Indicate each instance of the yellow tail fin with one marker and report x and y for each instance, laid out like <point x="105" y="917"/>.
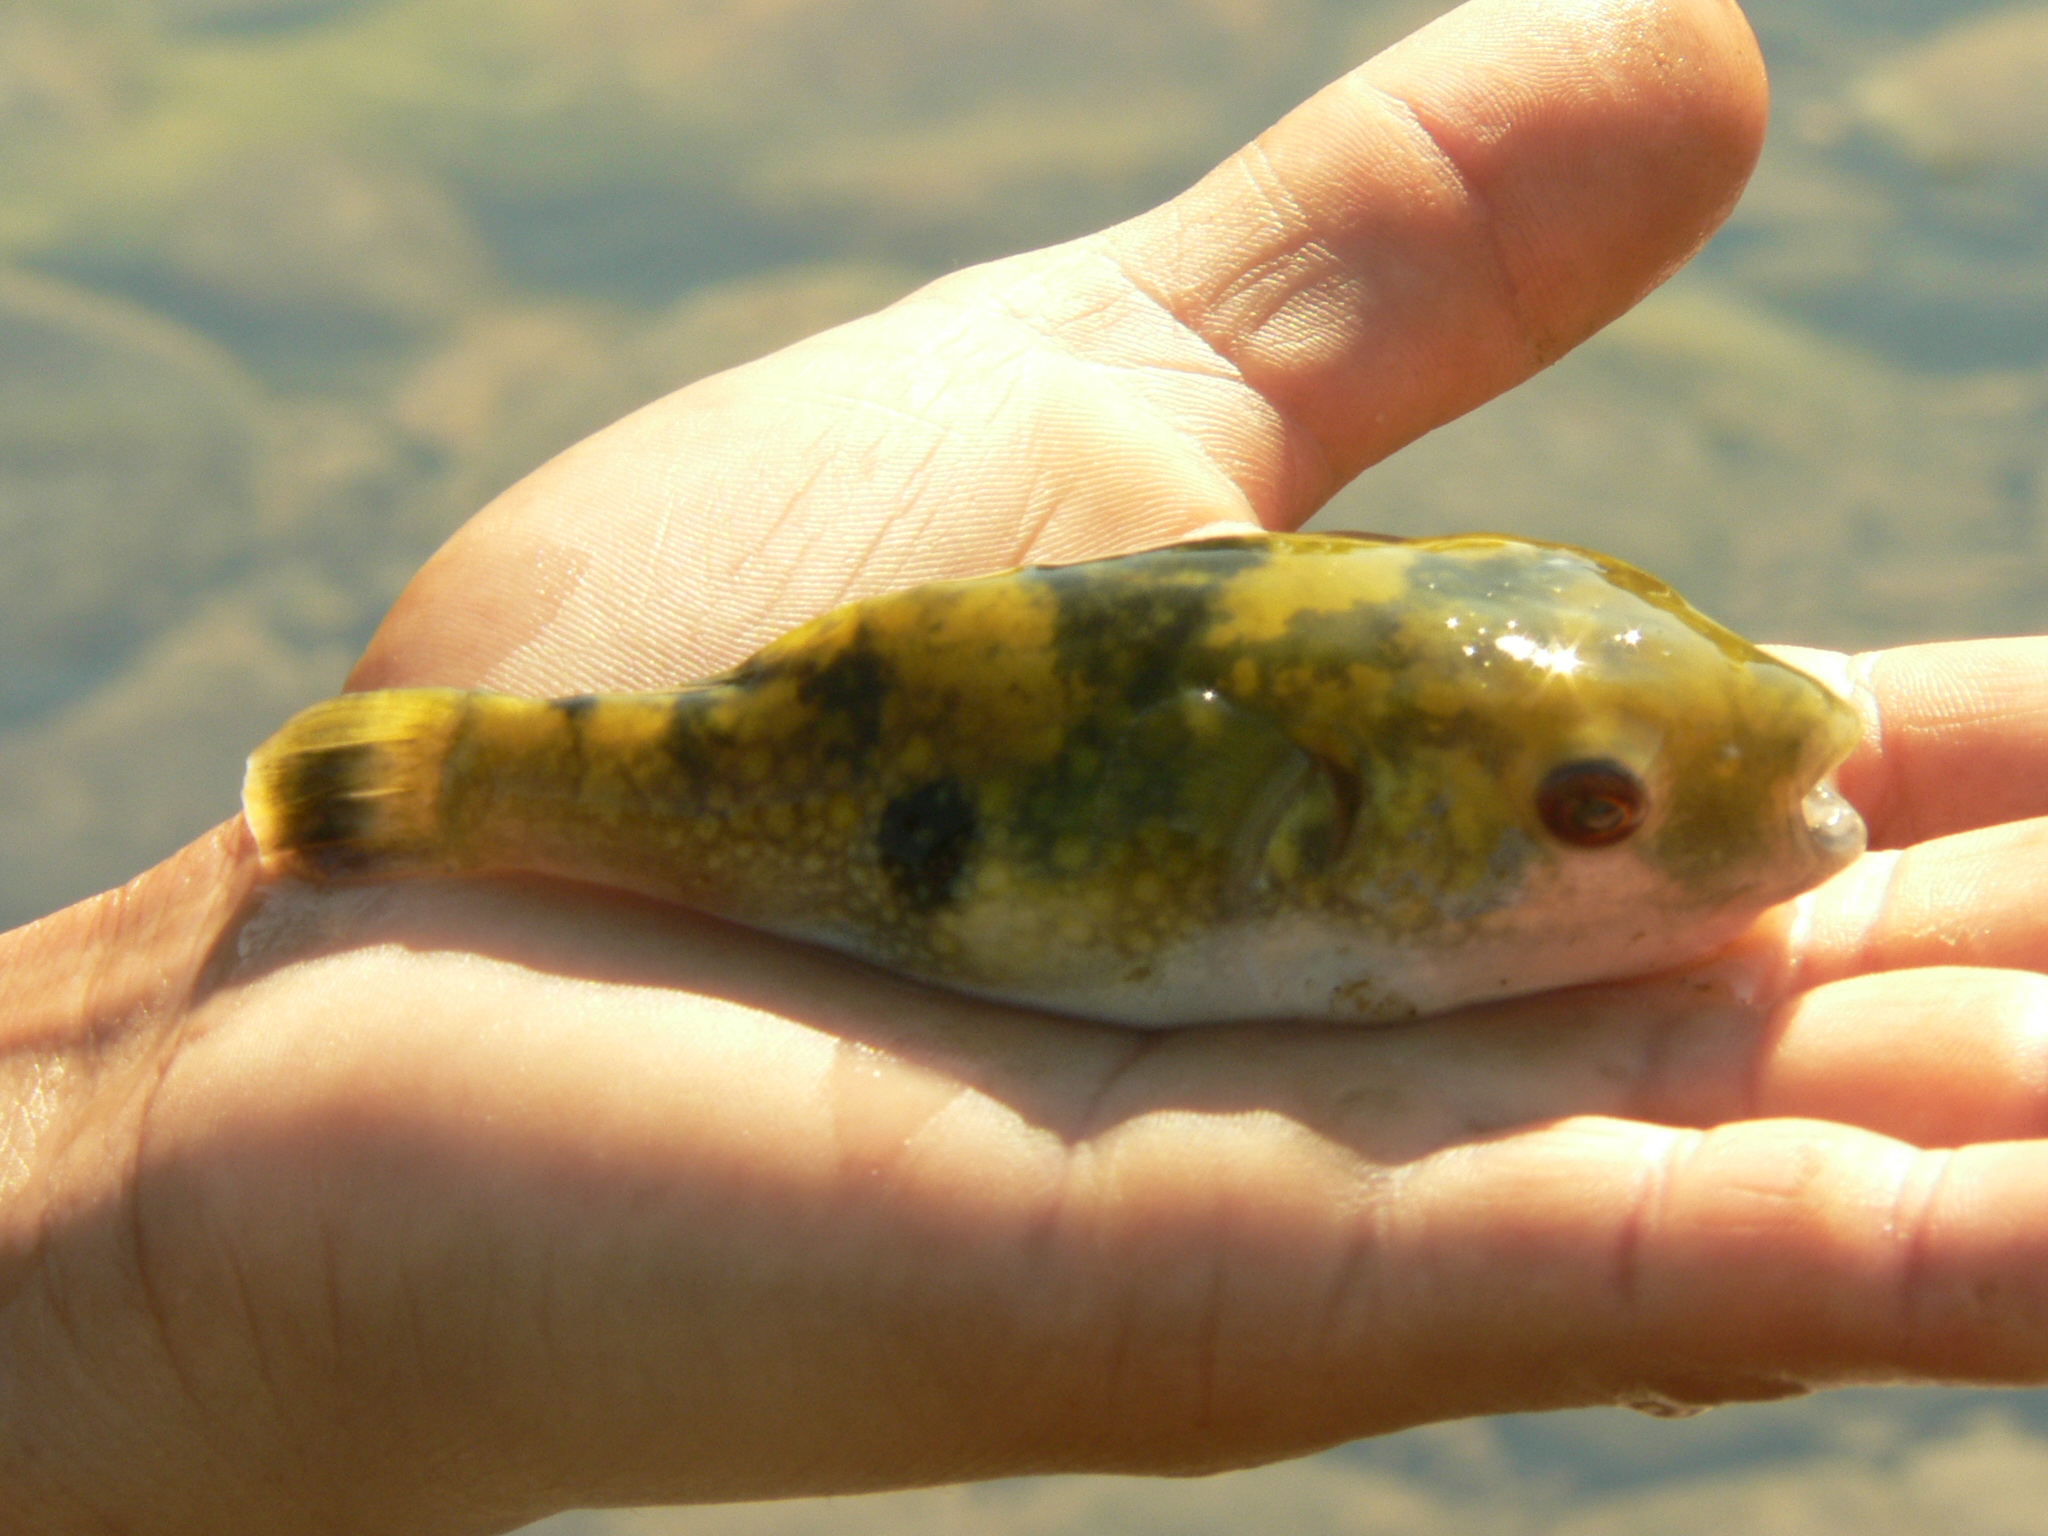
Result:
<point x="351" y="788"/>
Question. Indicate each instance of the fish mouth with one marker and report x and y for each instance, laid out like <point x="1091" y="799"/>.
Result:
<point x="1832" y="826"/>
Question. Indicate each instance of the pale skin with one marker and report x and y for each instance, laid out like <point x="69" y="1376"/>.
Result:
<point x="438" y="1207"/>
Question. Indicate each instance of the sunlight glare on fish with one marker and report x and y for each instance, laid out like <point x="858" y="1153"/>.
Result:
<point x="1559" y="660"/>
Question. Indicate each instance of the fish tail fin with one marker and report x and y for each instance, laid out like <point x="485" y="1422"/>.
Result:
<point x="351" y="788"/>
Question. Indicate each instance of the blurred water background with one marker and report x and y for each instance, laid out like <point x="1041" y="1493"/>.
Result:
<point x="289" y="287"/>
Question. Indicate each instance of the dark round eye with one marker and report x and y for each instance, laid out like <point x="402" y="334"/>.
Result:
<point x="1591" y="804"/>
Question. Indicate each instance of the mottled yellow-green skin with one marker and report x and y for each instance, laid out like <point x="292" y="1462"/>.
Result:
<point x="1058" y="783"/>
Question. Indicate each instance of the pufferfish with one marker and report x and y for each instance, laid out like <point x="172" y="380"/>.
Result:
<point x="1249" y="777"/>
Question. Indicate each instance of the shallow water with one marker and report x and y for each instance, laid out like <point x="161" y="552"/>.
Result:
<point x="287" y="287"/>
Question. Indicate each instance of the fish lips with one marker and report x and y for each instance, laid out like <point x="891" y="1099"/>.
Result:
<point x="1833" y="827"/>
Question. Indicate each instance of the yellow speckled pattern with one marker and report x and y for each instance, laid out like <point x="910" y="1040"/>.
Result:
<point x="1123" y="787"/>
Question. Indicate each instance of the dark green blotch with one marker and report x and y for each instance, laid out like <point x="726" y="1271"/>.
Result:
<point x="1374" y="634"/>
<point x="576" y="708"/>
<point x="329" y="809"/>
<point x="924" y="839"/>
<point x="1125" y="626"/>
<point x="700" y="754"/>
<point x="850" y="693"/>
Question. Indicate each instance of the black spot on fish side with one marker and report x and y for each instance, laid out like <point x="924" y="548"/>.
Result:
<point x="574" y="709"/>
<point x="924" y="839"/>
<point x="850" y="692"/>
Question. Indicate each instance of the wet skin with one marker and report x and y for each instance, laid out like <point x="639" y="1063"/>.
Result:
<point x="1271" y="776"/>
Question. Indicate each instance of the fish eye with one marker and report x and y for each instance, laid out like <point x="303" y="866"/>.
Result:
<point x="1591" y="804"/>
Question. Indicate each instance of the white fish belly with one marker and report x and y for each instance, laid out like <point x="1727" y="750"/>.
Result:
<point x="1308" y="966"/>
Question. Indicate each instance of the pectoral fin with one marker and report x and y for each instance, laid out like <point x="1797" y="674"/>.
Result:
<point x="1230" y="779"/>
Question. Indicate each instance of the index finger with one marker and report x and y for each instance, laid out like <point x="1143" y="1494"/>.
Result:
<point x="1955" y="738"/>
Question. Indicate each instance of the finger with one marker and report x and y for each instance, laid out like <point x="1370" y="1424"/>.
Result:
<point x="1604" y="1261"/>
<point x="1448" y="219"/>
<point x="1273" y="1289"/>
<point x="1939" y="1057"/>
<point x="1974" y="898"/>
<point x="1957" y="738"/>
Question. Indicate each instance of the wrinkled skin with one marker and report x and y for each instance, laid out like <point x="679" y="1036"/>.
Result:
<point x="435" y="1208"/>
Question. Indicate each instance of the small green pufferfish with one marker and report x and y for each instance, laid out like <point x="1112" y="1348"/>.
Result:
<point x="1247" y="777"/>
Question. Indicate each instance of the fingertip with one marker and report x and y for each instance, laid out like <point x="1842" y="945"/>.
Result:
<point x="1609" y="138"/>
<point x="1955" y="736"/>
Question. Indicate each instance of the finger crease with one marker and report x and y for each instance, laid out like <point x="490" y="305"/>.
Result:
<point x="1087" y="1124"/>
<point x="1309" y="460"/>
<point x="1644" y="1214"/>
<point x="1877" y="921"/>
<point x="1913" y="1218"/>
<point x="1869" y="702"/>
<point x="1540" y="352"/>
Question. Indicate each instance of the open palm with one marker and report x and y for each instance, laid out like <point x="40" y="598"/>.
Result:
<point x="439" y="1206"/>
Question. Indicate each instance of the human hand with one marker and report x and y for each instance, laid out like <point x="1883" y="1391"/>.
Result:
<point x="438" y="1206"/>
